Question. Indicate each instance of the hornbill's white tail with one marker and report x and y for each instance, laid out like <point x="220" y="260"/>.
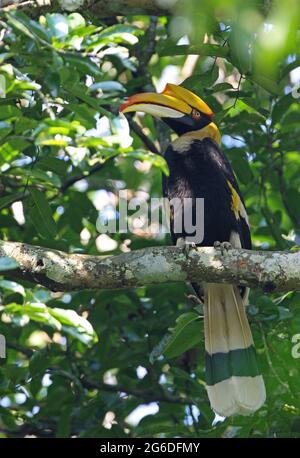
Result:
<point x="234" y="383"/>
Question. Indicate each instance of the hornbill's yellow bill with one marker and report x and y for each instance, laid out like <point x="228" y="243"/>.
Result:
<point x="199" y="169"/>
<point x="182" y="110"/>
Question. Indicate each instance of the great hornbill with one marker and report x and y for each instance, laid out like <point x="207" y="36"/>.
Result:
<point x="199" y="169"/>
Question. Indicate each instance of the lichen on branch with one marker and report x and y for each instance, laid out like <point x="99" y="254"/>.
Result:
<point x="60" y="271"/>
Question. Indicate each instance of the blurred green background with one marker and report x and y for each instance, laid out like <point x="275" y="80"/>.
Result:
<point x="99" y="364"/>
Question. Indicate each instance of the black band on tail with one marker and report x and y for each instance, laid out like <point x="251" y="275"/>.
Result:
<point x="240" y="362"/>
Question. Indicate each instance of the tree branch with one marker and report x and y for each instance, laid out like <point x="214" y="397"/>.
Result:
<point x="139" y="131"/>
<point x="143" y="55"/>
<point x="101" y="8"/>
<point x="75" y="178"/>
<point x="59" y="271"/>
<point x="151" y="395"/>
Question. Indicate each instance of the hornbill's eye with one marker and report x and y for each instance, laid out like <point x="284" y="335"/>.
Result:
<point x="196" y="114"/>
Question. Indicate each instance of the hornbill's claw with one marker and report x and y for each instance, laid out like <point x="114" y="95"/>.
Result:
<point x="223" y="246"/>
<point x="187" y="246"/>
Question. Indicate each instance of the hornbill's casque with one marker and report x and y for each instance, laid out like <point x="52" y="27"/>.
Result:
<point x="199" y="169"/>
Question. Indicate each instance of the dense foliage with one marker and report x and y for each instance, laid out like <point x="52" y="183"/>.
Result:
<point x="89" y="363"/>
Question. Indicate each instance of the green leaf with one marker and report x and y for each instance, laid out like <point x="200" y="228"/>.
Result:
<point x="58" y="24"/>
<point x="12" y="147"/>
<point x="12" y="286"/>
<point x="281" y="107"/>
<point x="186" y="334"/>
<point x="75" y="21"/>
<point x="9" y="111"/>
<point x="221" y="87"/>
<point x="41" y="214"/>
<point x="155" y="159"/>
<point x="24" y="124"/>
<point x="288" y="68"/>
<point x="83" y="64"/>
<point x="64" y="422"/>
<point x="52" y="82"/>
<point x="75" y="325"/>
<point x="38" y="363"/>
<point x="5" y="129"/>
<point x="83" y="113"/>
<point x="116" y="30"/>
<point x="107" y="86"/>
<point x="40" y="176"/>
<point x="8" y="263"/>
<point x="266" y="83"/>
<point x="67" y="321"/>
<point x="7" y="200"/>
<point x="79" y="92"/>
<point x="184" y="50"/>
<point x="198" y="81"/>
<point x="34" y="311"/>
<point x="4" y="56"/>
<point x="241" y="164"/>
<point x="240" y="41"/>
<point x="53" y="164"/>
<point x="292" y="196"/>
<point x="22" y="85"/>
<point x="28" y="27"/>
<point x="17" y="21"/>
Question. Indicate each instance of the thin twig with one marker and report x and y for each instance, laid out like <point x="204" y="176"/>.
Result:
<point x="40" y="94"/>
<point x="283" y="191"/>
<point x="238" y="91"/>
<point x="31" y="168"/>
<point x="149" y="396"/>
<point x="26" y="351"/>
<point x="285" y="385"/>
<point x="144" y="55"/>
<point x="146" y="140"/>
<point x="73" y="179"/>
<point x="18" y="5"/>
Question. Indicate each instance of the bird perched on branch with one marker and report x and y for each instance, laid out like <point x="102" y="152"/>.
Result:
<point x="200" y="170"/>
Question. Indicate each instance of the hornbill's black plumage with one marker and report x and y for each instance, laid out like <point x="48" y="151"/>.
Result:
<point x="199" y="169"/>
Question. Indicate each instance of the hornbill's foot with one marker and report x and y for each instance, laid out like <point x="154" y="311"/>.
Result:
<point x="223" y="246"/>
<point x="187" y="246"/>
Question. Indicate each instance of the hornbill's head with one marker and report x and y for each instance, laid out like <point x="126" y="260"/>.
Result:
<point x="184" y="111"/>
